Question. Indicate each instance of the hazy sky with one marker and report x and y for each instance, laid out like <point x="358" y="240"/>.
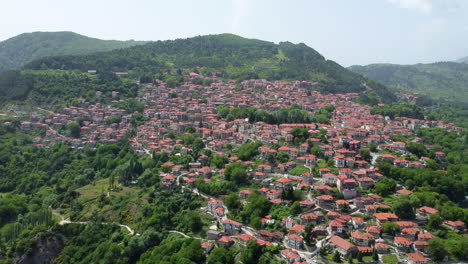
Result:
<point x="347" y="31"/>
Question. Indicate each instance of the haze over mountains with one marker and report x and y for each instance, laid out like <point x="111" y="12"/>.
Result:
<point x="21" y="49"/>
<point x="463" y="60"/>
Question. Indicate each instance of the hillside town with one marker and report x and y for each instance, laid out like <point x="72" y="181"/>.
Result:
<point x="332" y="166"/>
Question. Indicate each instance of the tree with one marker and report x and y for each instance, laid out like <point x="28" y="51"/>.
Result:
<point x="219" y="161"/>
<point x="373" y="147"/>
<point x="359" y="257"/>
<point x="350" y="259"/>
<point x="403" y="208"/>
<point x="236" y="173"/>
<point x="385" y="187"/>
<point x="390" y="228"/>
<point x="322" y="252"/>
<point x="282" y="157"/>
<point x="233" y="202"/>
<point x="296" y="208"/>
<point x="256" y="222"/>
<point x="309" y="235"/>
<point x="365" y="153"/>
<point x="197" y="146"/>
<point x="248" y="151"/>
<point x="252" y="253"/>
<point x="257" y="205"/>
<point x="300" y="135"/>
<point x="220" y="256"/>
<point x="436" y="249"/>
<point x="74" y="129"/>
<point x="375" y="255"/>
<point x="337" y="257"/>
<point x="435" y="221"/>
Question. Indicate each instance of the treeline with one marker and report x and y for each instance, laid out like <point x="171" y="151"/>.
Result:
<point x="293" y="115"/>
<point x="399" y="110"/>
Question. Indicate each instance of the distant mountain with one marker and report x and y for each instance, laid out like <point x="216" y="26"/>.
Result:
<point x="19" y="50"/>
<point x="229" y="56"/>
<point x="463" y="60"/>
<point x="441" y="80"/>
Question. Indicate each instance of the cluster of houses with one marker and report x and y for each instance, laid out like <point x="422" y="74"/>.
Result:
<point x="98" y="124"/>
<point x="338" y="222"/>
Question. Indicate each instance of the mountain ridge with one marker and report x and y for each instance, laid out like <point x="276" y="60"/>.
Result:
<point x="440" y="80"/>
<point x="26" y="47"/>
<point x="226" y="54"/>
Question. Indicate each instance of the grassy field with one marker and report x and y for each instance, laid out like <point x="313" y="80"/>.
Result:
<point x="390" y="259"/>
<point x="98" y="201"/>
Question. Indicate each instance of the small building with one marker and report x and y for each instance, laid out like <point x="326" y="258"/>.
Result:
<point x="232" y="227"/>
<point x="343" y="246"/>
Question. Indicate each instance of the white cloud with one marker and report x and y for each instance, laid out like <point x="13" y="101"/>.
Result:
<point x="428" y="6"/>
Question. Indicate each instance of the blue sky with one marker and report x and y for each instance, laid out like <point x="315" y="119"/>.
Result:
<point x="347" y="31"/>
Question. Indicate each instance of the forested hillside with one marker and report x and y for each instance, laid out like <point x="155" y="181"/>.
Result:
<point x="229" y="56"/>
<point x="56" y="87"/>
<point x="21" y="49"/>
<point x="442" y="80"/>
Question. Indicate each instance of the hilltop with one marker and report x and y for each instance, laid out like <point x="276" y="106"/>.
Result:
<point x="24" y="48"/>
<point x="441" y="80"/>
<point x="228" y="56"/>
<point x="463" y="60"/>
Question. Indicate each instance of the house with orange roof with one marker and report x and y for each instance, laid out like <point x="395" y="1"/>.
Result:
<point x="411" y="233"/>
<point x="385" y="217"/>
<point x="245" y="238"/>
<point x="406" y="224"/>
<point x="207" y="246"/>
<point x="402" y="243"/>
<point x="374" y="230"/>
<point x="307" y="204"/>
<point x="297" y="229"/>
<point x="343" y="246"/>
<point x="420" y="245"/>
<point x="288" y="222"/>
<point x="309" y="218"/>
<point x="226" y="241"/>
<point x="382" y="248"/>
<point x="325" y="201"/>
<point x="417" y="258"/>
<point x="244" y="194"/>
<point x="271" y="236"/>
<point x="232" y="227"/>
<point x="295" y="241"/>
<point x="323" y="189"/>
<point x="404" y="192"/>
<point x="426" y="236"/>
<point x="425" y="212"/>
<point x="457" y="226"/>
<point x="362" y="239"/>
<point x="290" y="255"/>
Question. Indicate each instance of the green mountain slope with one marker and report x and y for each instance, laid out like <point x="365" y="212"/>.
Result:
<point x="228" y="55"/>
<point x="19" y="50"/>
<point x="441" y="80"/>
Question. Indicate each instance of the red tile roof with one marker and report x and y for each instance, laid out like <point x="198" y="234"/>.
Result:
<point x="342" y="243"/>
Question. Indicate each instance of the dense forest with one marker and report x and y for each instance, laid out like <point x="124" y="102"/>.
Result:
<point x="286" y="115"/>
<point x="441" y="80"/>
<point x="24" y="48"/>
<point x="56" y="87"/>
